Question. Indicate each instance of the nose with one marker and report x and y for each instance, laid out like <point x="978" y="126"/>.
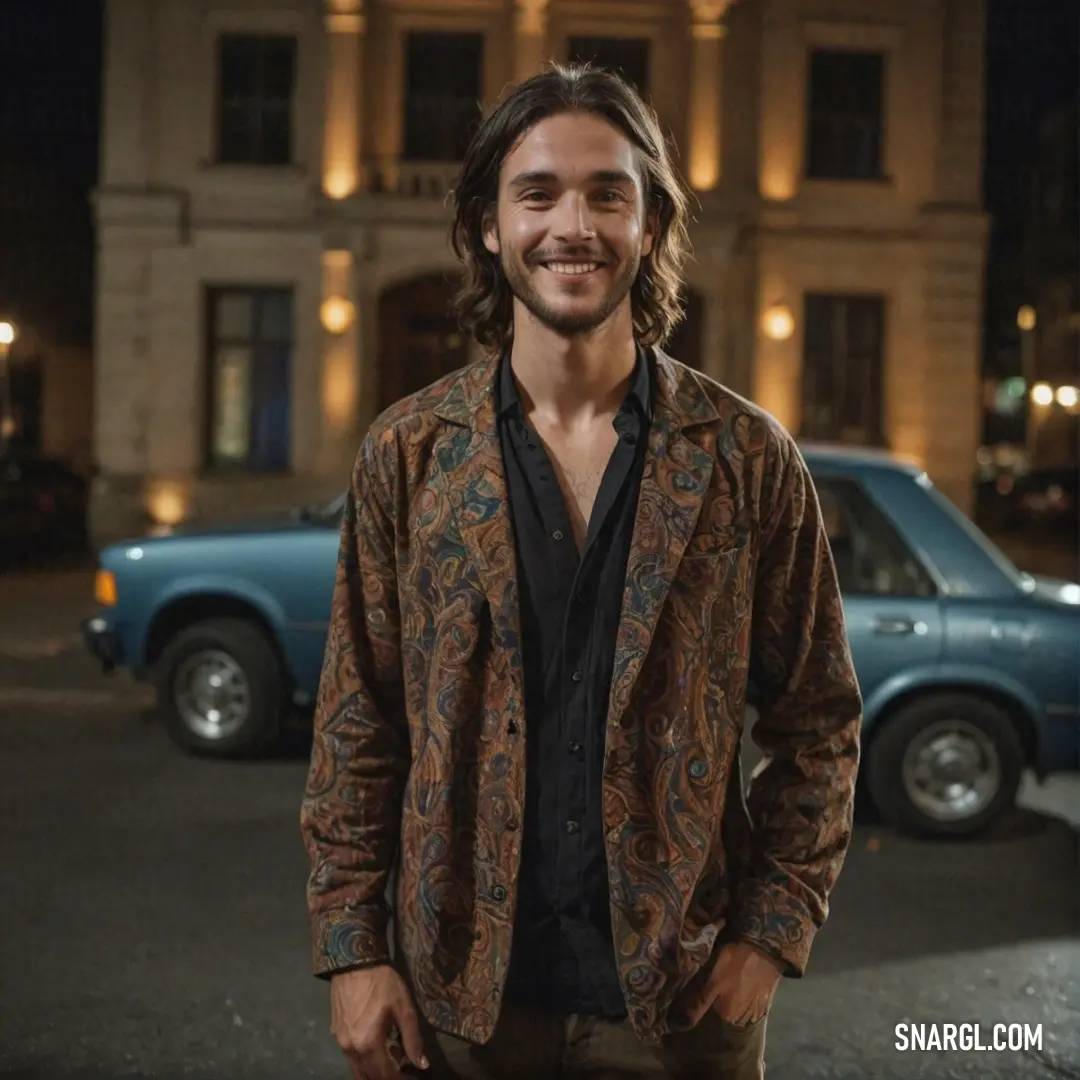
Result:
<point x="573" y="219"/>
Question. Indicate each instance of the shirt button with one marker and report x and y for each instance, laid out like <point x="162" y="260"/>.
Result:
<point x="576" y="676"/>
<point x="572" y="827"/>
<point x="557" y="534"/>
<point x="575" y="748"/>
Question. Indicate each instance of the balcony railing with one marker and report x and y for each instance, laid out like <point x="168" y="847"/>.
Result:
<point x="412" y="179"/>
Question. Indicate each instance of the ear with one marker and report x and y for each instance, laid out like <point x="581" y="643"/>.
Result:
<point x="491" y="232"/>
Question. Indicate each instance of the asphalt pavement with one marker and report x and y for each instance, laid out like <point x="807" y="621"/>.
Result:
<point x="152" y="906"/>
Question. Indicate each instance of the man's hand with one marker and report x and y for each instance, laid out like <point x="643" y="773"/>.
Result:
<point x="364" y="1005"/>
<point x="739" y="988"/>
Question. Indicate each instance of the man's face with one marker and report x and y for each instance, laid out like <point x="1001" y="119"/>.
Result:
<point x="571" y="227"/>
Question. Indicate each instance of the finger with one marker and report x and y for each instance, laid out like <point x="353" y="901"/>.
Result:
<point x="409" y="1027"/>
<point x="354" y="1065"/>
<point x="377" y="1064"/>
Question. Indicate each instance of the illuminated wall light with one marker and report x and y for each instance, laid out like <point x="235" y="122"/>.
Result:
<point x="1042" y="394"/>
<point x="1068" y="396"/>
<point x="337" y="314"/>
<point x="167" y="503"/>
<point x="1025" y="318"/>
<point x="340" y="181"/>
<point x="778" y="323"/>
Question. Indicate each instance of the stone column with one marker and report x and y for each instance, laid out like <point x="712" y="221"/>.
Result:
<point x="530" y="37"/>
<point x="707" y="35"/>
<point x="960" y="159"/>
<point x="342" y="166"/>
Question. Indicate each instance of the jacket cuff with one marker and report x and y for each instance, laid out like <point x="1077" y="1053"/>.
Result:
<point x="344" y="940"/>
<point x="773" y="921"/>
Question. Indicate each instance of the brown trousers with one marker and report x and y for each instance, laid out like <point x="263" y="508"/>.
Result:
<point x="530" y="1045"/>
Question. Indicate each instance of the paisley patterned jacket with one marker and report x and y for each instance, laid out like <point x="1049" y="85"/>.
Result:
<point x="418" y="752"/>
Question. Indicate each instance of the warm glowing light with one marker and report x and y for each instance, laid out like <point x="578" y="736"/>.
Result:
<point x="1042" y="394"/>
<point x="1068" y="396"/>
<point x="339" y="389"/>
<point x="167" y="503"/>
<point x="105" y="588"/>
<point x="704" y="168"/>
<point x="337" y="314"/>
<point x="1025" y="317"/>
<point x="340" y="181"/>
<point x="7" y="333"/>
<point x="778" y="323"/>
<point x="778" y="180"/>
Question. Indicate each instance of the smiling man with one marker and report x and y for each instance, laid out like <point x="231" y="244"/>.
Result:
<point x="561" y="569"/>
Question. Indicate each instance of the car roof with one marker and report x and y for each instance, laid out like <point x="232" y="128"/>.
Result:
<point x="824" y="453"/>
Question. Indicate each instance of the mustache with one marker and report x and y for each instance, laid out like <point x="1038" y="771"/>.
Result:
<point x="566" y="255"/>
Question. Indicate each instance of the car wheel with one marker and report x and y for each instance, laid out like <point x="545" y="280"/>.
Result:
<point x="945" y="765"/>
<point x="221" y="689"/>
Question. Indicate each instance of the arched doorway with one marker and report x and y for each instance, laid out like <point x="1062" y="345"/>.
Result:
<point x="419" y="340"/>
<point x="686" y="343"/>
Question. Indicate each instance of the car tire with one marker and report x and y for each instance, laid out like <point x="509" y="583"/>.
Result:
<point x="250" y="689"/>
<point x="959" y="731"/>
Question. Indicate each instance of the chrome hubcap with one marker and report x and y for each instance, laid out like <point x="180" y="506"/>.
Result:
<point x="212" y="695"/>
<point x="951" y="770"/>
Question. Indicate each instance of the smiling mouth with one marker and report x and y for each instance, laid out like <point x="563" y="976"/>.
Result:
<point x="572" y="269"/>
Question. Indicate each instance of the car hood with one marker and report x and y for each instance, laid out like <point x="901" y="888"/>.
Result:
<point x="1057" y="590"/>
<point x="284" y="522"/>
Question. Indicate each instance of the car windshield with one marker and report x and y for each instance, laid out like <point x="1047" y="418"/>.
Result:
<point x="328" y="514"/>
<point x="1004" y="563"/>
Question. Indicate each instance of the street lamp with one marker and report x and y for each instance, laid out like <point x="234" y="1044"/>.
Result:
<point x="1026" y="320"/>
<point x="8" y="334"/>
<point x="778" y="322"/>
<point x="1042" y="394"/>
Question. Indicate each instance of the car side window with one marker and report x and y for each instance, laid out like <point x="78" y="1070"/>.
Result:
<point x="871" y="557"/>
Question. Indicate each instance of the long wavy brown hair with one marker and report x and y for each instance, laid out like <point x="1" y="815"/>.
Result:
<point x="484" y="302"/>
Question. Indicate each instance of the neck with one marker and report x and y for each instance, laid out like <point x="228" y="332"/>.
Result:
<point x="568" y="381"/>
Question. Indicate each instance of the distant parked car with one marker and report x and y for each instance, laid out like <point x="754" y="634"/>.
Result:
<point x="1045" y="497"/>
<point x="968" y="667"/>
<point x="43" y="505"/>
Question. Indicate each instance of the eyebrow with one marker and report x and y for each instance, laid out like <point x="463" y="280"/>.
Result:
<point x="602" y="176"/>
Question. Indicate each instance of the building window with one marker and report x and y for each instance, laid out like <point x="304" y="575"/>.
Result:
<point x="443" y="76"/>
<point x="846" y="115"/>
<point x="250" y="370"/>
<point x="256" y="82"/>
<point x="843" y="369"/>
<point x="628" y="57"/>
<point x="871" y="557"/>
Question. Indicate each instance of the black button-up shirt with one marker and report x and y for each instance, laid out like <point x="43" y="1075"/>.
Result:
<point x="563" y="957"/>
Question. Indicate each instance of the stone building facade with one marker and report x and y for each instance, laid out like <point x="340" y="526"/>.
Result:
<point x="273" y="263"/>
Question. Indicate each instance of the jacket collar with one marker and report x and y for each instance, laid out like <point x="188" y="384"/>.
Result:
<point x="678" y="399"/>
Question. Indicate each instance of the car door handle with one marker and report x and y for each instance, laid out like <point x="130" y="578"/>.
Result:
<point x="890" y="625"/>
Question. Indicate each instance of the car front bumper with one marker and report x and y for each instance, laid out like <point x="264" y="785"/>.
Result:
<point x="102" y="642"/>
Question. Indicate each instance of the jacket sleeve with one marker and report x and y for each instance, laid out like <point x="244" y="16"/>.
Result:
<point x="351" y="808"/>
<point x="801" y="798"/>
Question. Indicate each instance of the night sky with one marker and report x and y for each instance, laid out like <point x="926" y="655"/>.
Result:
<point x="50" y="105"/>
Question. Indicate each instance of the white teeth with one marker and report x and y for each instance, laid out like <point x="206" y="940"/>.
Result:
<point x="573" y="268"/>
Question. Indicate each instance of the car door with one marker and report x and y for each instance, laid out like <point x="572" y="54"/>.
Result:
<point x="893" y="612"/>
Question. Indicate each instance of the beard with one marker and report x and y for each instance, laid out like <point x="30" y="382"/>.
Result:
<point x="568" y="323"/>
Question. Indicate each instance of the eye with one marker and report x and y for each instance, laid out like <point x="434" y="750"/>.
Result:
<point x="535" y="196"/>
<point x="610" y="195"/>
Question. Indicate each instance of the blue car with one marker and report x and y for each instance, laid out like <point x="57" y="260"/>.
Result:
<point x="969" y="668"/>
